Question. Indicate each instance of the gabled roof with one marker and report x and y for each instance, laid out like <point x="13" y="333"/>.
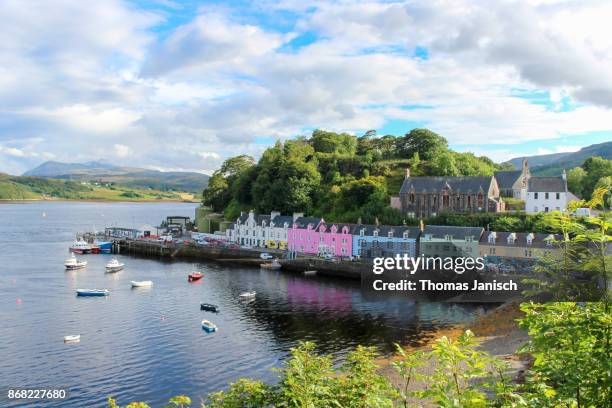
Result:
<point x="440" y="231"/>
<point x="506" y="179"/>
<point x="383" y="230"/>
<point x="464" y="184"/>
<point x="302" y="222"/>
<point x="258" y="218"/>
<point x="547" y="184"/>
<point x="501" y="239"/>
<point x="280" y="220"/>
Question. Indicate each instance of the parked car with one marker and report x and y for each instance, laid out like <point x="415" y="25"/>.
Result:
<point x="327" y="257"/>
<point x="265" y="255"/>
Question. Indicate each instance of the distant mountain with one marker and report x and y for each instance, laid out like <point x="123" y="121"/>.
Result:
<point x="553" y="164"/>
<point x="127" y="176"/>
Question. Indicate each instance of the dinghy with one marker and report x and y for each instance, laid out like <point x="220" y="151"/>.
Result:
<point x="209" y="307"/>
<point x="247" y="295"/>
<point x="195" y="276"/>
<point x="72" y="338"/>
<point x="73" y="263"/>
<point x="114" y="265"/>
<point x="142" y="284"/>
<point x="310" y="273"/>
<point x="209" y="326"/>
<point x="92" y="292"/>
<point x="272" y="265"/>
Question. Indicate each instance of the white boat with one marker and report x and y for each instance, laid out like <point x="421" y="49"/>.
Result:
<point x="142" y="284"/>
<point x="310" y="273"/>
<point x="72" y="338"/>
<point x="247" y="295"/>
<point x="114" y="265"/>
<point x="80" y="247"/>
<point x="74" y="263"/>
<point x="272" y="265"/>
<point x="209" y="326"/>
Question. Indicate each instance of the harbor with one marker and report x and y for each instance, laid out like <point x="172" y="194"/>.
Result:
<point x="148" y="342"/>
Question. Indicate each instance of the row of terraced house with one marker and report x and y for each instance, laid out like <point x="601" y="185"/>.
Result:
<point x="315" y="236"/>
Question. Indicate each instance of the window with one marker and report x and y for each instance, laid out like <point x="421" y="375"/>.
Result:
<point x="545" y="209"/>
<point x="375" y="243"/>
<point x="412" y="198"/>
<point x="535" y="195"/>
<point x="492" y="251"/>
<point x="376" y="233"/>
<point x="448" y="237"/>
<point x="362" y="243"/>
<point x="361" y="232"/>
<point x="390" y="234"/>
<point x="343" y="250"/>
<point x="469" y="201"/>
<point x="389" y="244"/>
<point x="528" y="253"/>
<point x="344" y="240"/>
<point x="546" y="196"/>
<point x="558" y="196"/>
<point x="405" y="235"/>
<point x="480" y="200"/>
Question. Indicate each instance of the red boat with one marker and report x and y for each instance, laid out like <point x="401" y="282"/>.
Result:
<point x="195" y="276"/>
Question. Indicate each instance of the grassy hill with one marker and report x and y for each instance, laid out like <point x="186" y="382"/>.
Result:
<point x="133" y="177"/>
<point x="39" y="188"/>
<point x="553" y="164"/>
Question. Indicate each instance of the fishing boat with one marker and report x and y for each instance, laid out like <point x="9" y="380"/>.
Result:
<point x="92" y="292"/>
<point x="73" y="338"/>
<point x="272" y="265"/>
<point x="310" y="273"/>
<point x="209" y="326"/>
<point x="194" y="276"/>
<point x="104" y="247"/>
<point x="73" y="263"/>
<point x="209" y="307"/>
<point x="142" y="284"/>
<point x="80" y="247"/>
<point x="247" y="295"/>
<point x="114" y="265"/>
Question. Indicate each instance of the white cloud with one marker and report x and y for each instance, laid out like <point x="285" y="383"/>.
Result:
<point x="84" y="76"/>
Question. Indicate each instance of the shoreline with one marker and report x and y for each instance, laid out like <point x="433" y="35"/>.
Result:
<point x="497" y="332"/>
<point x="89" y="200"/>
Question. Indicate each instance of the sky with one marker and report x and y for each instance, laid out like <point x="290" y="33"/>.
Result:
<point x="182" y="85"/>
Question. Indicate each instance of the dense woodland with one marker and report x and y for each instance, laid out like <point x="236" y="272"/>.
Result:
<point x="337" y="175"/>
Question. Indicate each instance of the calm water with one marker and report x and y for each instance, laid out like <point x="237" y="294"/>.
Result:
<point x="147" y="344"/>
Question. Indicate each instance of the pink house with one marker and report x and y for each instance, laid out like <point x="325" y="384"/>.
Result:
<point x="314" y="236"/>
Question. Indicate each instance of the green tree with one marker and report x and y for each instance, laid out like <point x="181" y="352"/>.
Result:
<point x="422" y="141"/>
<point x="575" y="180"/>
<point x="596" y="167"/>
<point x="444" y="165"/>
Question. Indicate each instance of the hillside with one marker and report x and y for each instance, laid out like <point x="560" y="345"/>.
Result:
<point x="553" y="164"/>
<point x="40" y="188"/>
<point x="125" y="176"/>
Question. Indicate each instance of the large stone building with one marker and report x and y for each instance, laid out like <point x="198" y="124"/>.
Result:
<point x="513" y="183"/>
<point x="429" y="196"/>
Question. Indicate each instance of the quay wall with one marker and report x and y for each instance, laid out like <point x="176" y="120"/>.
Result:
<point x="238" y="256"/>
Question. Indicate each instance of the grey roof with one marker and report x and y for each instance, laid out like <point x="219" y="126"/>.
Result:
<point x="501" y="239"/>
<point x="464" y="184"/>
<point x="383" y="230"/>
<point x="280" y="220"/>
<point x="505" y="179"/>
<point x="547" y="184"/>
<point x="440" y="231"/>
<point x="258" y="218"/>
<point x="302" y="222"/>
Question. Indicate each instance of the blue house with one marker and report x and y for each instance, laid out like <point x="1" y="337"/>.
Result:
<point x="372" y="241"/>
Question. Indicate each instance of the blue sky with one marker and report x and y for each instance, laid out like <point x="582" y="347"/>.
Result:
<point x="182" y="85"/>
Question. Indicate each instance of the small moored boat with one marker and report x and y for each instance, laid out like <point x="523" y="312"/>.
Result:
<point x="272" y="265"/>
<point x="142" y="284"/>
<point x="209" y="326"/>
<point x="74" y="263"/>
<point x="92" y="292"/>
<point x="72" y="338"/>
<point x="194" y="276"/>
<point x="247" y="295"/>
<point x="209" y="307"/>
<point x="114" y="265"/>
<point x="310" y="273"/>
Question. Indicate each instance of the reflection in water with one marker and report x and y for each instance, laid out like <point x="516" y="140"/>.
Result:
<point x="148" y="343"/>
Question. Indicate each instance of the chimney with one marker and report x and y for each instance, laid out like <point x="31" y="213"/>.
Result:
<point x="564" y="175"/>
<point x="421" y="225"/>
<point x="407" y="172"/>
<point x="297" y="215"/>
<point x="274" y="214"/>
<point x="525" y="164"/>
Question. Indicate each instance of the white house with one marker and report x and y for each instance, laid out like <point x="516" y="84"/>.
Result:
<point x="546" y="194"/>
<point x="262" y="231"/>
